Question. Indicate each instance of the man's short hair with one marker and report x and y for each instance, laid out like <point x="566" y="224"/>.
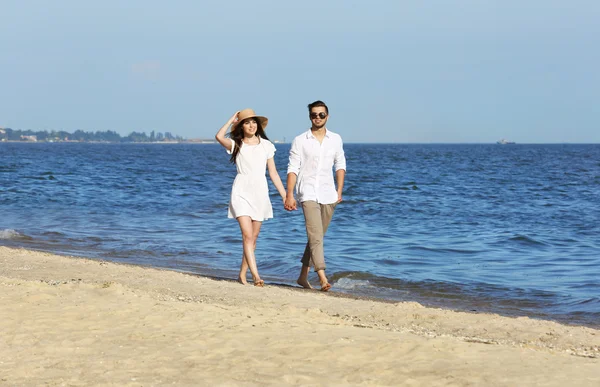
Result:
<point x="317" y="104"/>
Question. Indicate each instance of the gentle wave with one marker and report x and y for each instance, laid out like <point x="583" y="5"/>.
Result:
<point x="351" y="284"/>
<point x="10" y="234"/>
<point x="527" y="240"/>
<point x="443" y="250"/>
<point x="477" y="296"/>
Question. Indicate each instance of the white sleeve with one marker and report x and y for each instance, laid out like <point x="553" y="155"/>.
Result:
<point x="230" y="151"/>
<point x="340" y="157"/>
<point x="295" y="159"/>
<point x="271" y="150"/>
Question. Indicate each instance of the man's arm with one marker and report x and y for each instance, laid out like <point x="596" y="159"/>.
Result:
<point x="292" y="176"/>
<point x="290" y="201"/>
<point x="340" y="175"/>
<point x="340" y="170"/>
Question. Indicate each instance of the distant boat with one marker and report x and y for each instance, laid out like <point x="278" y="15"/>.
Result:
<point x="504" y="142"/>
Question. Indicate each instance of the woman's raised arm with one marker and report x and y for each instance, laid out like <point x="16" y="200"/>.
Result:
<point x="220" y="136"/>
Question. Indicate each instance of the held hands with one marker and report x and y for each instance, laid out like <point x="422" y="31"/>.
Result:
<point x="290" y="203"/>
<point x="339" y="197"/>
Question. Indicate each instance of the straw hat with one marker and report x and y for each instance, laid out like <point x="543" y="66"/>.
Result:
<point x="249" y="113"/>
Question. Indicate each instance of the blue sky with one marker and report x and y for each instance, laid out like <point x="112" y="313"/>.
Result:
<point x="390" y="71"/>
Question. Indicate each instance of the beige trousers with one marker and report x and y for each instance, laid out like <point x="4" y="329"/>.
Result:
<point x="316" y="217"/>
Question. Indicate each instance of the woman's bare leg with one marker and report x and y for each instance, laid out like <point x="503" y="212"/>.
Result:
<point x="243" y="271"/>
<point x="250" y="230"/>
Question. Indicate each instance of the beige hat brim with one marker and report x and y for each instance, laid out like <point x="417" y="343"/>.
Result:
<point x="263" y="120"/>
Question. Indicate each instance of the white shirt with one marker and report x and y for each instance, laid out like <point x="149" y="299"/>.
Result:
<point x="312" y="162"/>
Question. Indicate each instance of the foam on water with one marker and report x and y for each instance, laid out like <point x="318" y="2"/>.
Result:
<point x="351" y="284"/>
<point x="11" y="234"/>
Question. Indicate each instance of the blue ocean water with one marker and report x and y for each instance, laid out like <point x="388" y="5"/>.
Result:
<point x="513" y="229"/>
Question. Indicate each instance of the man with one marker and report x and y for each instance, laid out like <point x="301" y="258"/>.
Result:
<point x="312" y="156"/>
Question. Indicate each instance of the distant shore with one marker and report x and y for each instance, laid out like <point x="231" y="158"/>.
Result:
<point x="130" y="142"/>
<point x="111" y="142"/>
<point x="73" y="320"/>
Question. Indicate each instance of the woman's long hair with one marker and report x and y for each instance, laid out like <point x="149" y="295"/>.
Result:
<point x="237" y="135"/>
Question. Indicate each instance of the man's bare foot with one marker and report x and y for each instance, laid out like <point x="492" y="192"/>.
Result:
<point x="304" y="283"/>
<point x="242" y="280"/>
<point x="326" y="287"/>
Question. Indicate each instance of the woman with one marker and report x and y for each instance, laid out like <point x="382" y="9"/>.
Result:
<point x="251" y="152"/>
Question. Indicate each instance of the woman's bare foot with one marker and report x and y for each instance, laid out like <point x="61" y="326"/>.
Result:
<point x="260" y="283"/>
<point x="242" y="280"/>
<point x="304" y="283"/>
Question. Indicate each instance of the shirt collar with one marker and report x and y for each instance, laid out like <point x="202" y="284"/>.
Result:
<point x="310" y="135"/>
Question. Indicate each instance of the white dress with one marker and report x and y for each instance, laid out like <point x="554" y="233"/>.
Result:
<point x="250" y="191"/>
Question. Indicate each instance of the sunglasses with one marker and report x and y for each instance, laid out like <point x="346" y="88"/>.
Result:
<point x="317" y="115"/>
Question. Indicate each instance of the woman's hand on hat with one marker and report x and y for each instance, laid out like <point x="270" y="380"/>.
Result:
<point x="234" y="117"/>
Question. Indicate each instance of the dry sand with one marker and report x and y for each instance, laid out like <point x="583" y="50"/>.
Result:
<point x="75" y="322"/>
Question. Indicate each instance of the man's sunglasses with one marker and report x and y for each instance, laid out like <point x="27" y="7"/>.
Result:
<point x="317" y="115"/>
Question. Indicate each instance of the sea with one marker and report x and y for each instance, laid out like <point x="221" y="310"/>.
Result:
<point x="509" y="229"/>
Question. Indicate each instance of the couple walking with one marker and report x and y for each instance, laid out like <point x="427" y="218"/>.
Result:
<point x="312" y="156"/>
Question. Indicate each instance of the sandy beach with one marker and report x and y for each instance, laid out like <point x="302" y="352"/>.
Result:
<point x="78" y="322"/>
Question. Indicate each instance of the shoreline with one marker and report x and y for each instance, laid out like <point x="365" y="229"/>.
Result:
<point x="456" y="306"/>
<point x="77" y="320"/>
<point x="336" y="292"/>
